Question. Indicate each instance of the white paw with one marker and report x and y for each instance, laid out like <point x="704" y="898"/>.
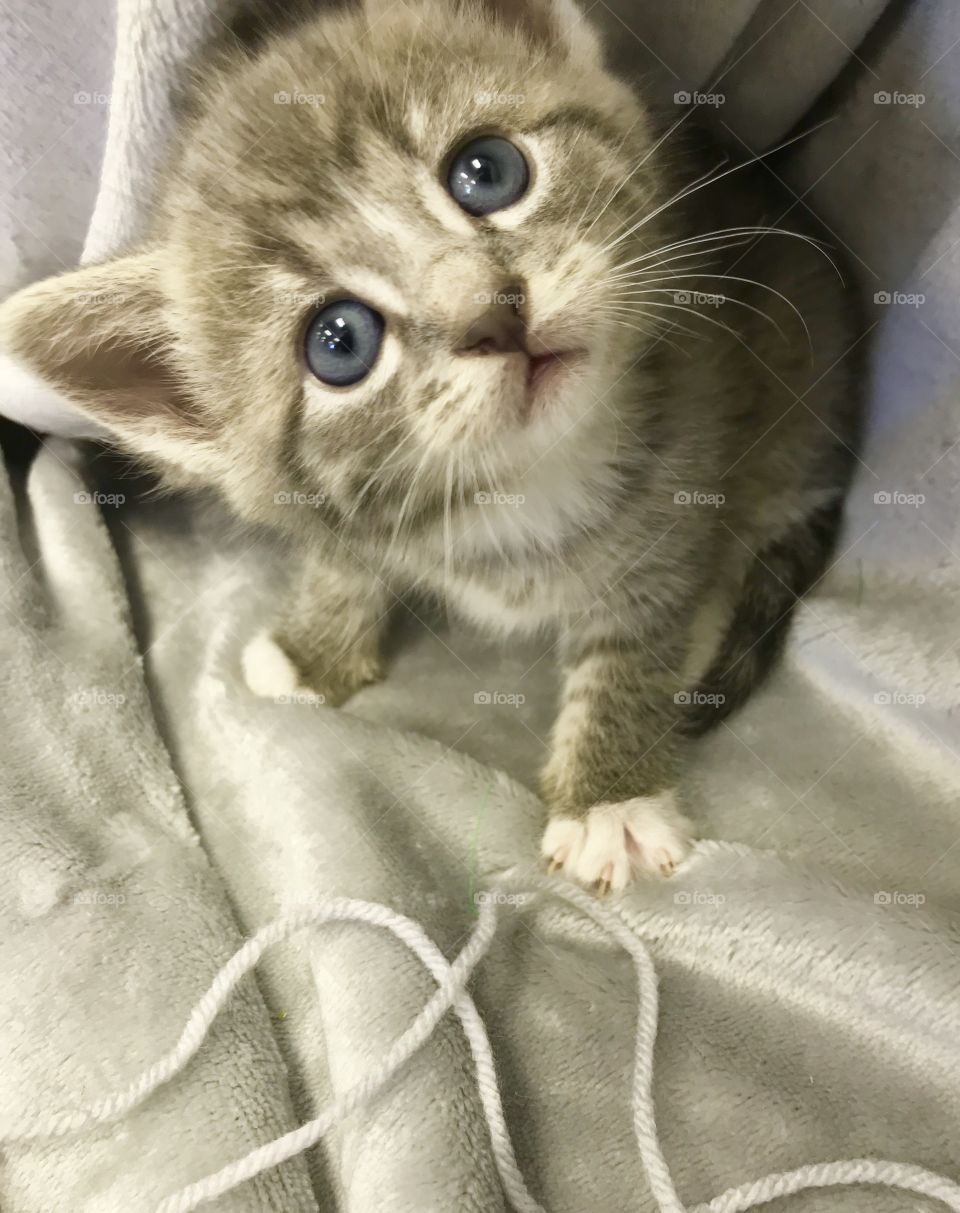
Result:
<point x="267" y="670"/>
<point x="611" y="841"/>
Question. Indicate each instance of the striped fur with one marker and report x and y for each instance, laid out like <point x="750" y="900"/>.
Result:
<point x="659" y="507"/>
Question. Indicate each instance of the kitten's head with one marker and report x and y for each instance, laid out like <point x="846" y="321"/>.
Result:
<point x="384" y="254"/>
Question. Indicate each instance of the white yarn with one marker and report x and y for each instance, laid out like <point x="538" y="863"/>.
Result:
<point x="451" y="993"/>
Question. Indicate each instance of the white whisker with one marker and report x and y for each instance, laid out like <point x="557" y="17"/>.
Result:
<point x="701" y="184"/>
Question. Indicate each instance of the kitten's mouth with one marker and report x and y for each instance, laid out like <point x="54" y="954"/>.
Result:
<point x="539" y="367"/>
<point x="546" y="368"/>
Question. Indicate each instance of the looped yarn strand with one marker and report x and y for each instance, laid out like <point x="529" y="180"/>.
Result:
<point x="451" y="994"/>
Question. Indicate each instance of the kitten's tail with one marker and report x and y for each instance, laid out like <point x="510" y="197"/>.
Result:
<point x="779" y="575"/>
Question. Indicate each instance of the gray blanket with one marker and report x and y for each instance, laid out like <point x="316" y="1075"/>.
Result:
<point x="155" y="814"/>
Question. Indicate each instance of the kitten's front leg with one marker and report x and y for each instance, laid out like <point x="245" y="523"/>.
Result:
<point x="327" y="639"/>
<point x="610" y="781"/>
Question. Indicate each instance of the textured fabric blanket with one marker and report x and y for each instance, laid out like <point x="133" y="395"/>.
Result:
<point x="155" y="814"/>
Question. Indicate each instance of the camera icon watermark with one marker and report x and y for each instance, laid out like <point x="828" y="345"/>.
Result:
<point x="96" y="697"/>
<point x="300" y="298"/>
<point x="910" y="699"/>
<point x="698" y="897"/>
<point x="899" y="298"/>
<point x="714" y="100"/>
<point x="508" y="298"/>
<point x="895" y="97"/>
<point x="711" y="699"/>
<point x="95" y="497"/>
<point x="495" y="498"/>
<point x="99" y="298"/>
<point x="96" y="897"/>
<point x="896" y="497"/>
<point x="500" y="897"/>
<point x="695" y="497"/>
<point x="699" y="298"/>
<point x="897" y="898"/>
<point x="510" y="699"/>
<point x="297" y="97"/>
<point x="304" y="698"/>
<point x="488" y="97"/>
<point x="294" y="497"/>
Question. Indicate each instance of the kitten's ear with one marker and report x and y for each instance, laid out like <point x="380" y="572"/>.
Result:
<point x="98" y="335"/>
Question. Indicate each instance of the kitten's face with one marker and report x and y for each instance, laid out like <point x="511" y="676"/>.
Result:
<point x="478" y="350"/>
<point x="491" y="341"/>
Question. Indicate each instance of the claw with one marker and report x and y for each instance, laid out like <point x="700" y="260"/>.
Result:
<point x="557" y="860"/>
<point x="603" y="847"/>
<point x="604" y="881"/>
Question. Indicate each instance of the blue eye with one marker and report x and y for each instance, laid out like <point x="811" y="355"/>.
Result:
<point x="342" y="342"/>
<point x="487" y="175"/>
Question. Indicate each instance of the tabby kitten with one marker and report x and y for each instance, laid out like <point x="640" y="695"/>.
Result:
<point x="418" y="259"/>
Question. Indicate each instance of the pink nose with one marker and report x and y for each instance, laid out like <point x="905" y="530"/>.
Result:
<point x="498" y="329"/>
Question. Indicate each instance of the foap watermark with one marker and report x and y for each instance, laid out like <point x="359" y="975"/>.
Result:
<point x="294" y="497"/>
<point x="99" y="298"/>
<point x="895" y="97"/>
<point x="682" y="97"/>
<point x="896" y="497"/>
<point x="695" y="497"/>
<point x="96" y="697"/>
<point x="492" y="498"/>
<point x="896" y="897"/>
<point x="93" y="98"/>
<point x="900" y="298"/>
<point x="698" y="897"/>
<point x="699" y="698"/>
<point x="305" y="697"/>
<point x="296" y="96"/>
<point x="493" y="97"/>
<point x="908" y="699"/>
<point x="500" y="897"/>
<point x="510" y="699"/>
<point x="95" y="497"/>
<point x="97" y="897"/>
<point x="509" y="298"/>
<point x="699" y="298"/>
<point x="300" y="298"/>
